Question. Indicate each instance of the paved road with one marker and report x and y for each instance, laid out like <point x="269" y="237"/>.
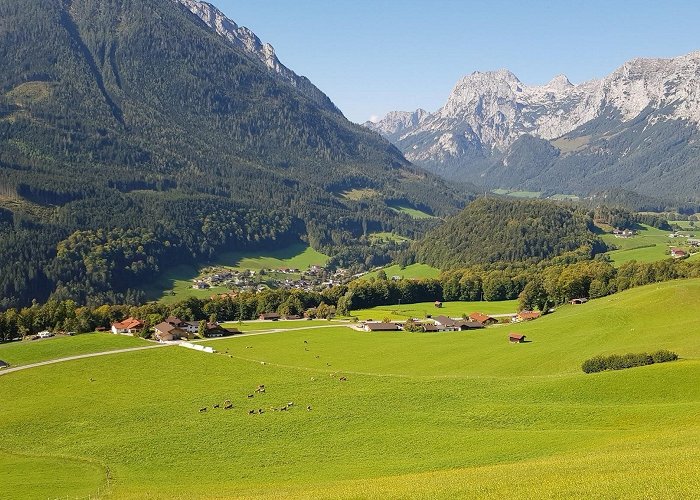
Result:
<point x="5" y="371"/>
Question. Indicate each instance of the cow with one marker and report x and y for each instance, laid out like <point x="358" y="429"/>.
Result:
<point x="202" y="410"/>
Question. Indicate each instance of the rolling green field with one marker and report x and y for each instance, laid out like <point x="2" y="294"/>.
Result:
<point x="443" y="415"/>
<point x="175" y="284"/>
<point x="34" y="351"/>
<point x="421" y="309"/>
<point x="408" y="272"/>
<point x="252" y="326"/>
<point x="649" y="245"/>
<point x="518" y="194"/>
<point x="382" y="237"/>
<point x="413" y="212"/>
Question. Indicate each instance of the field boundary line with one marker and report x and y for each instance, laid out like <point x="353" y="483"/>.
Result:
<point x="6" y="371"/>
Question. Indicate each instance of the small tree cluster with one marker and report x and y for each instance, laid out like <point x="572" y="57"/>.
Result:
<point x="630" y="360"/>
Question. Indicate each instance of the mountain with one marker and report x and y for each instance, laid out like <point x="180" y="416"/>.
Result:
<point x="637" y="128"/>
<point x="134" y="136"/>
<point x="244" y="39"/>
<point x="491" y="230"/>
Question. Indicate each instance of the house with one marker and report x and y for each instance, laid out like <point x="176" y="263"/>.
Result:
<point x="165" y="332"/>
<point x="526" y="316"/>
<point x="677" y="253"/>
<point x="44" y="335"/>
<point x="290" y="317"/>
<point x="484" y="319"/>
<point x="580" y="301"/>
<point x="446" y="324"/>
<point x="381" y="327"/>
<point x="128" y="327"/>
<point x="215" y="330"/>
<point x="516" y="338"/>
<point x="188" y="326"/>
<point x="200" y="285"/>
<point x="269" y="317"/>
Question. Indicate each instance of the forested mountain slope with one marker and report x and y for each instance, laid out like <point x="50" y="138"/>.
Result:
<point x="493" y="230"/>
<point x="121" y="115"/>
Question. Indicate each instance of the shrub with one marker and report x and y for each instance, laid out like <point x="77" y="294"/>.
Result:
<point x="629" y="360"/>
<point x="663" y="356"/>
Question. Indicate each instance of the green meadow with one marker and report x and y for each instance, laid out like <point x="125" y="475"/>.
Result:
<point x="35" y="351"/>
<point x="175" y="284"/>
<point x="422" y="309"/>
<point x="440" y="415"/>
<point x="408" y="272"/>
<point x="410" y="211"/>
<point x="649" y="245"/>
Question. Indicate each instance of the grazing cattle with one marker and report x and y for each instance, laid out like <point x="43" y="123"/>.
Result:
<point x="249" y="347"/>
<point x="252" y="412"/>
<point x="313" y="378"/>
<point x="261" y="411"/>
<point x="317" y="356"/>
<point x="92" y="379"/>
<point x="343" y="379"/>
<point x="291" y="403"/>
<point x="308" y="408"/>
<point x="284" y="408"/>
<point x="251" y="395"/>
<point x="202" y="410"/>
<point x="305" y="342"/>
<point x="215" y="406"/>
<point x="228" y="406"/>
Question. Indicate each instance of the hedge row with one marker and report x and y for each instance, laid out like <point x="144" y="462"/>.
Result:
<point x="622" y="361"/>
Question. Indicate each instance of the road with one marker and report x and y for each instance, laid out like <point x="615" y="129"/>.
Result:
<point x="5" y="371"/>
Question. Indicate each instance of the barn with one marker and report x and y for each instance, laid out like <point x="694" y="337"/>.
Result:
<point x="516" y="338"/>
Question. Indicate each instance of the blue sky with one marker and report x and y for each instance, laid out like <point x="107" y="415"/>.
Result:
<point x="372" y="57"/>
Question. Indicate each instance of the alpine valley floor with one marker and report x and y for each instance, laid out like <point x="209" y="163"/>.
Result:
<point x="455" y="414"/>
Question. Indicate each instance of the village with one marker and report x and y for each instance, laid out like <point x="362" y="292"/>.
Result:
<point x="315" y="278"/>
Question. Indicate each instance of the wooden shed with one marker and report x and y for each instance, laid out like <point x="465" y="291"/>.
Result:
<point x="516" y="338"/>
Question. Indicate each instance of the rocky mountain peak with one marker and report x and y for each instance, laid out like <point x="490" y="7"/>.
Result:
<point x="245" y="39"/>
<point x="559" y="82"/>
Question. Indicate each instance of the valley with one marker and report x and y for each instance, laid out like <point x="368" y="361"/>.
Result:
<point x="218" y="280"/>
<point x="527" y="406"/>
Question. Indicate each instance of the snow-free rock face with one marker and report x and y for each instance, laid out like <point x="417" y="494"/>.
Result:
<point x="245" y="39"/>
<point x="488" y="112"/>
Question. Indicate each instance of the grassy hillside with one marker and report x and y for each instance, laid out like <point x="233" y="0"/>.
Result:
<point x="34" y="351"/>
<point x="649" y="245"/>
<point x="176" y="283"/>
<point x="421" y="309"/>
<point x="471" y="411"/>
<point x="408" y="272"/>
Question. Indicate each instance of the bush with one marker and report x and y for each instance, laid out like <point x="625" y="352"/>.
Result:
<point x="664" y="356"/>
<point x="629" y="360"/>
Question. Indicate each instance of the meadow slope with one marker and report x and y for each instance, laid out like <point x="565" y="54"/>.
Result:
<point x="461" y="414"/>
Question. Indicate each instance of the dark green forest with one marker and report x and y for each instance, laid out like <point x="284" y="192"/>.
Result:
<point x="134" y="128"/>
<point x="494" y="229"/>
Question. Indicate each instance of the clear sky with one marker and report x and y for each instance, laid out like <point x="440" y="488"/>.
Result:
<point x="375" y="56"/>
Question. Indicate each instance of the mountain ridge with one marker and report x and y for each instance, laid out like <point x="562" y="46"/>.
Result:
<point x="246" y="39"/>
<point x="475" y="134"/>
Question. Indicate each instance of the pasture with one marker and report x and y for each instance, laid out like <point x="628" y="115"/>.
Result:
<point x="175" y="284"/>
<point x="649" y="245"/>
<point x="414" y="213"/>
<point x="443" y="415"/>
<point x="421" y="309"/>
<point x="35" y="351"/>
<point x="408" y="272"/>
